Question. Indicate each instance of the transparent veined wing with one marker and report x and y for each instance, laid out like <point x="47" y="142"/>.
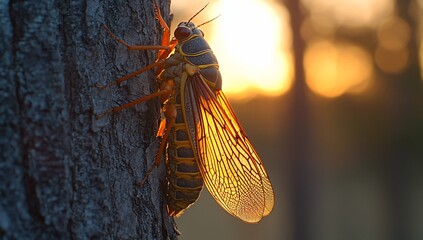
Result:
<point x="231" y="169"/>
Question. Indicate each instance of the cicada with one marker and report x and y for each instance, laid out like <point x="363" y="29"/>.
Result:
<point x="204" y="141"/>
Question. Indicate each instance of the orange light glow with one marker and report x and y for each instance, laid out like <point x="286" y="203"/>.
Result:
<point x="394" y="34"/>
<point x="248" y="42"/>
<point x="392" y="55"/>
<point x="352" y="13"/>
<point x="332" y="70"/>
<point x="251" y="42"/>
<point x="392" y="61"/>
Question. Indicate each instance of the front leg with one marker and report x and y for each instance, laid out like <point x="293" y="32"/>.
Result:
<point x="136" y="47"/>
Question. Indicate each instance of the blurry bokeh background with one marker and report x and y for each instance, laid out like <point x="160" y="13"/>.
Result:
<point x="340" y="132"/>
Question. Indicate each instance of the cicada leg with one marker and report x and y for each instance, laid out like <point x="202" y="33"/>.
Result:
<point x="137" y="101"/>
<point x="159" y="152"/>
<point x="165" y="49"/>
<point x="162" y="127"/>
<point x="124" y="78"/>
<point x="166" y="43"/>
<point x="170" y="112"/>
<point x="165" y="91"/>
<point x="166" y="30"/>
<point x="136" y="47"/>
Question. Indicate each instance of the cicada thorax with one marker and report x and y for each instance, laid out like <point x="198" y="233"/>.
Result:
<point x="183" y="175"/>
<point x="196" y="51"/>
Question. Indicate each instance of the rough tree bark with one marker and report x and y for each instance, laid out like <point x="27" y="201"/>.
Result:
<point x="64" y="174"/>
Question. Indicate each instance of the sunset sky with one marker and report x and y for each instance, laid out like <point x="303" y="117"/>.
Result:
<point x="252" y="41"/>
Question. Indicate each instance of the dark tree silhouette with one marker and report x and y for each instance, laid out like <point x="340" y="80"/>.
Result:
<point x="64" y="174"/>
<point x="300" y="151"/>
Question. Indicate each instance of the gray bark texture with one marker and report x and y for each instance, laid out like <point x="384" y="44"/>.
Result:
<point x="63" y="173"/>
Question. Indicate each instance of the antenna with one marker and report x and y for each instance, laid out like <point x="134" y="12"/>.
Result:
<point x="197" y="13"/>
<point x="209" y="21"/>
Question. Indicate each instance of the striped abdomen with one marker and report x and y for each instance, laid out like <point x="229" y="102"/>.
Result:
<point x="185" y="181"/>
<point x="184" y="177"/>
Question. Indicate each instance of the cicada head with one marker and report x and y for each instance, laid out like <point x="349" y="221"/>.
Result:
<point x="185" y="30"/>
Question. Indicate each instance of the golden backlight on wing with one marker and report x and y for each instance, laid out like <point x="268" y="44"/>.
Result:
<point x="230" y="167"/>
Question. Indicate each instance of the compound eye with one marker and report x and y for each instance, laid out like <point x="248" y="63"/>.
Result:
<point x="182" y="32"/>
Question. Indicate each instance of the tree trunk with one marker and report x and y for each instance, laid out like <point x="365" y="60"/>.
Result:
<point x="301" y="165"/>
<point x="63" y="173"/>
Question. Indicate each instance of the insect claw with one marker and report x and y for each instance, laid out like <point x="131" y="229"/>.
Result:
<point x="101" y="115"/>
<point x="98" y="116"/>
<point x="141" y="183"/>
<point x="100" y="86"/>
